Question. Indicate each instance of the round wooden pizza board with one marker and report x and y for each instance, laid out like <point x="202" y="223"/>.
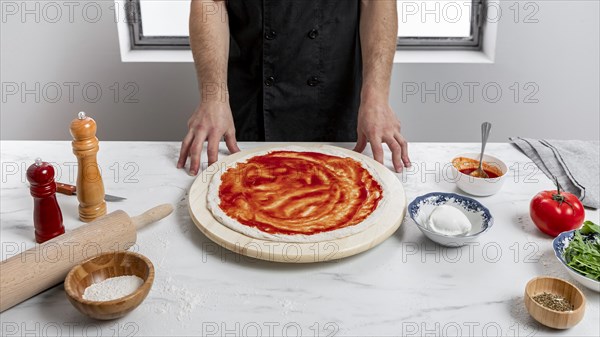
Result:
<point x="390" y="218"/>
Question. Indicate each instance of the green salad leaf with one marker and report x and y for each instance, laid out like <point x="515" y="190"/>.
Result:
<point x="590" y="228"/>
<point x="583" y="252"/>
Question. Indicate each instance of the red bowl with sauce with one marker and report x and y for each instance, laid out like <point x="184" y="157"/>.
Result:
<point x="464" y="164"/>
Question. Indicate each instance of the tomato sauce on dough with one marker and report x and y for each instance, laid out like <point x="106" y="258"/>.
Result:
<point x="289" y="192"/>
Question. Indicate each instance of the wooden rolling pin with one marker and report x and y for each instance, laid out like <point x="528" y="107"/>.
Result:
<point x="46" y="265"/>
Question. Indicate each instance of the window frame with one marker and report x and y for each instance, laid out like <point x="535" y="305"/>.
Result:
<point x="141" y="42"/>
<point x="472" y="42"/>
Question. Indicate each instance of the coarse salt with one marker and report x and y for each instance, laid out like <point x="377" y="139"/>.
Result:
<point x="112" y="288"/>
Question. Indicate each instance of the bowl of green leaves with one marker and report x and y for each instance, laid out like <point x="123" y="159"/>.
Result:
<point x="579" y="251"/>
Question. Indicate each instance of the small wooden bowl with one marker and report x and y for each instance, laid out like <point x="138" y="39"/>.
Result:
<point x="552" y="318"/>
<point x="106" y="266"/>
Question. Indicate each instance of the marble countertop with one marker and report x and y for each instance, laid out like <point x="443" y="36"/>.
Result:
<point x="408" y="285"/>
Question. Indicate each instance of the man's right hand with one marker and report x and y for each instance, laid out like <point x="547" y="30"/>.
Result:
<point x="210" y="122"/>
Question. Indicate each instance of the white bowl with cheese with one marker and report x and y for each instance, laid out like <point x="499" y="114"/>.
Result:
<point x="450" y="219"/>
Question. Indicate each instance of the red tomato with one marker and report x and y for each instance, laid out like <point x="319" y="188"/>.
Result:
<point x="554" y="212"/>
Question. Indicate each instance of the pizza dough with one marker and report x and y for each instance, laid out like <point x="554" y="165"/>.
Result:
<point x="297" y="194"/>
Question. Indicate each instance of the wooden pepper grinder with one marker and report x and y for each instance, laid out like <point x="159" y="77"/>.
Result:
<point x="47" y="217"/>
<point x="90" y="188"/>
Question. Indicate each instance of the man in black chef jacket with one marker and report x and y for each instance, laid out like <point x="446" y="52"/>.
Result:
<point x="293" y="70"/>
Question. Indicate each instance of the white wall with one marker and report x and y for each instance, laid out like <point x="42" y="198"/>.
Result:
<point x="557" y="56"/>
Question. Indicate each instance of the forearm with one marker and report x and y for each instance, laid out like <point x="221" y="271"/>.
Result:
<point x="378" y="34"/>
<point x="209" y="40"/>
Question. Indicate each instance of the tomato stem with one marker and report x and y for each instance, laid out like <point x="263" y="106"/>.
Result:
<point x="559" y="197"/>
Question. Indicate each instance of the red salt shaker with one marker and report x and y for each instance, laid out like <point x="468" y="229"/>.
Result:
<point x="47" y="217"/>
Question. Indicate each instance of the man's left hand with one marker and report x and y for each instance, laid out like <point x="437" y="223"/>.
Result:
<point x="378" y="124"/>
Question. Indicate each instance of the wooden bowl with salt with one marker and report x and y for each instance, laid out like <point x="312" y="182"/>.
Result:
<point x="561" y="294"/>
<point x="102" y="268"/>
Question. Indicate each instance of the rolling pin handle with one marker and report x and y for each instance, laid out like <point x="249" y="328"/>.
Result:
<point x="152" y="215"/>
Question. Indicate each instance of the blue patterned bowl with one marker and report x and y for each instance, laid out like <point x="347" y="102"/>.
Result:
<point x="559" y="244"/>
<point x="479" y="216"/>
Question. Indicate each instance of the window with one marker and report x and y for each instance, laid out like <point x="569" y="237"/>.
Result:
<point x="422" y="24"/>
<point x="440" y="24"/>
<point x="158" y="24"/>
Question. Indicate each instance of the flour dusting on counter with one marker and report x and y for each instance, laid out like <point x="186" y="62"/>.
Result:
<point x="168" y="294"/>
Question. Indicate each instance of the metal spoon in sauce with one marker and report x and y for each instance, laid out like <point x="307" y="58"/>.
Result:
<point x="485" y="133"/>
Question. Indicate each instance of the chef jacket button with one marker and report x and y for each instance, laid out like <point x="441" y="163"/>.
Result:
<point x="270" y="35"/>
<point x="313" y="34"/>
<point x="313" y="81"/>
<point x="270" y="81"/>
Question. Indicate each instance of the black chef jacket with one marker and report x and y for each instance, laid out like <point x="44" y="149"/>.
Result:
<point x="294" y="69"/>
